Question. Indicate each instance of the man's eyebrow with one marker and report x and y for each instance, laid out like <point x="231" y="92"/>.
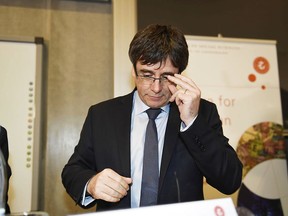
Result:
<point x="168" y="73"/>
<point x="153" y="72"/>
<point x="146" y="71"/>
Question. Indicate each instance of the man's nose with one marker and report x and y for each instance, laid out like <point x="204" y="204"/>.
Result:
<point x="156" y="86"/>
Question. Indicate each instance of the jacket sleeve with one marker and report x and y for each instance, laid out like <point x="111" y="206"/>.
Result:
<point x="5" y="150"/>
<point x="214" y="156"/>
<point x="81" y="166"/>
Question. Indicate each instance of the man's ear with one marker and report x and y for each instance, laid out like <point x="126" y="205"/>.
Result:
<point x="133" y="72"/>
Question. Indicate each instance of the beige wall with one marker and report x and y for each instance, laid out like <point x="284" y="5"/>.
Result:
<point x="78" y="67"/>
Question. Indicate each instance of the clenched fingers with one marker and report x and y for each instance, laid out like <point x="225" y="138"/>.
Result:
<point x="109" y="186"/>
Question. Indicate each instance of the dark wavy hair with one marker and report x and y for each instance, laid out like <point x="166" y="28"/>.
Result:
<point x="156" y="43"/>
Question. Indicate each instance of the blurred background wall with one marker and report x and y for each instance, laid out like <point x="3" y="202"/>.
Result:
<point x="78" y="72"/>
<point x="232" y="19"/>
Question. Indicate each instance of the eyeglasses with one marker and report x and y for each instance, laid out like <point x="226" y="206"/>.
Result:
<point x="149" y="80"/>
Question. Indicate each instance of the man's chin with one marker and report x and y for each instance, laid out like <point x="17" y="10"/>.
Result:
<point x="157" y="104"/>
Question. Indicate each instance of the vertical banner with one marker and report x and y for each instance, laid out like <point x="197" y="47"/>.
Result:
<point x="20" y="114"/>
<point x="241" y="77"/>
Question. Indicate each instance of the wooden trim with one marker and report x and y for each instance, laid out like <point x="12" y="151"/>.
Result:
<point x="124" y="27"/>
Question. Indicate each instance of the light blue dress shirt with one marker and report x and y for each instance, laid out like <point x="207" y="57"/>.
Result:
<point x="139" y="123"/>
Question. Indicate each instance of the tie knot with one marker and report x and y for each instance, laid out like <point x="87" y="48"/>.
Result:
<point x="153" y="113"/>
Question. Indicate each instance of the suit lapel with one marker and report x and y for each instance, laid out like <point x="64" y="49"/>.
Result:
<point x="123" y="133"/>
<point x="171" y="136"/>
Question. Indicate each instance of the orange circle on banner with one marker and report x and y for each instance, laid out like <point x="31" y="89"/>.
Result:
<point x="261" y="65"/>
<point x="252" y="78"/>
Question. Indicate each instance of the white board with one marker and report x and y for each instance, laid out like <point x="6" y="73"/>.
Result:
<point x="20" y="114"/>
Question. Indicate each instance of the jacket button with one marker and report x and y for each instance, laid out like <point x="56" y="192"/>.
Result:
<point x="202" y="148"/>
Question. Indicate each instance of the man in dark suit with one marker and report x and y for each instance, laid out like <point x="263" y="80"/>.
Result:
<point x="106" y="166"/>
<point x="5" y="151"/>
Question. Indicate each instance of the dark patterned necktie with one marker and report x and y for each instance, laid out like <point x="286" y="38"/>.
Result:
<point x="150" y="174"/>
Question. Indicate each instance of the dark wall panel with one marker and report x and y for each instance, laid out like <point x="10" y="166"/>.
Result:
<point x="238" y="19"/>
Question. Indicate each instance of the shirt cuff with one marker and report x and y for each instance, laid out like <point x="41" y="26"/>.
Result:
<point x="86" y="198"/>
<point x="184" y="127"/>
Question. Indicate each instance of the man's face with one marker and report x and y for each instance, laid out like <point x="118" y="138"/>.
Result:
<point x="154" y="93"/>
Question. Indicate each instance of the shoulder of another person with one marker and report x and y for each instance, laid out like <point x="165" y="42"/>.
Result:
<point x="2" y="130"/>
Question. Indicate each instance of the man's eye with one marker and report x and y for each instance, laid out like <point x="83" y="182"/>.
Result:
<point x="147" y="76"/>
<point x="164" y="77"/>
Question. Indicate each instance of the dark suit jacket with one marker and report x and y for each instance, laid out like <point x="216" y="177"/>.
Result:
<point x="200" y="151"/>
<point x="5" y="151"/>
